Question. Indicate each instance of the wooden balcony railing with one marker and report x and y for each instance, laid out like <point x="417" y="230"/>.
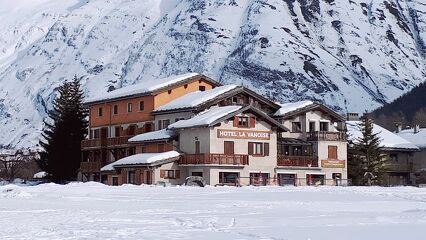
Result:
<point x="297" y="161"/>
<point x="118" y="141"/>
<point x="90" y="167"/>
<point x="93" y="143"/>
<point x="215" y="159"/>
<point x="107" y="142"/>
<point x="326" y="136"/>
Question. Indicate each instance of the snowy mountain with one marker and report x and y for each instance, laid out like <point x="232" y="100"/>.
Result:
<point x="350" y="54"/>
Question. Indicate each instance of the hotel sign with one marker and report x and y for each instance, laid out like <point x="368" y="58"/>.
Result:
<point x="243" y="134"/>
<point x="333" y="163"/>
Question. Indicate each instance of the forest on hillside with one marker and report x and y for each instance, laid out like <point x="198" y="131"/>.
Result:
<point x="408" y="110"/>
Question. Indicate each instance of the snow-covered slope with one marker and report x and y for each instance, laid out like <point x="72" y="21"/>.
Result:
<point x="351" y="55"/>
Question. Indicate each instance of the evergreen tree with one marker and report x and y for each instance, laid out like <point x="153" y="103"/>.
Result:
<point x="62" y="136"/>
<point x="366" y="161"/>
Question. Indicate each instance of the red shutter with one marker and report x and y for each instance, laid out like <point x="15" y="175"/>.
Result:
<point x="252" y="122"/>
<point x="250" y="148"/>
<point x="177" y="174"/>
<point x="266" y="149"/>
<point x="162" y="173"/>
<point x="235" y="121"/>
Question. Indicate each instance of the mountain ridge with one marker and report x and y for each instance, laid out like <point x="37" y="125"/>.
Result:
<point x="353" y="55"/>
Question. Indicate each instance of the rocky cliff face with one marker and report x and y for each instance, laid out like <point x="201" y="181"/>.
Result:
<point x="351" y="54"/>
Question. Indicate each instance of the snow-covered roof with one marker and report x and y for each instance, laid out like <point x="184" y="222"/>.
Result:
<point x="289" y="107"/>
<point x="388" y="138"/>
<point x="206" y="117"/>
<point x="151" y="136"/>
<point x="142" y="159"/>
<point x="418" y="139"/>
<point x="40" y="175"/>
<point x="143" y="87"/>
<point x="196" y="98"/>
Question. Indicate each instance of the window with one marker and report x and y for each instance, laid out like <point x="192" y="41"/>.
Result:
<point x="311" y="126"/>
<point x="228" y="148"/>
<point x="117" y="131"/>
<point x="129" y="107"/>
<point x="202" y="88"/>
<point x="131" y="130"/>
<point x="143" y="149"/>
<point x="185" y="86"/>
<point x="255" y="148"/>
<point x="169" y="92"/>
<point x="141" y="106"/>
<point x="243" y="121"/>
<point x="393" y="157"/>
<point x="169" y="174"/>
<point x="324" y="126"/>
<point x="296" y="127"/>
<point x="231" y="178"/>
<point x="197" y="174"/>
<point x="131" y="177"/>
<point x="130" y="151"/>
<point x="163" y="123"/>
<point x="100" y="112"/>
<point x="332" y="152"/>
<point x="115" y="110"/>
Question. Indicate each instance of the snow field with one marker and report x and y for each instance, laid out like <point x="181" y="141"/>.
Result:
<point x="96" y="211"/>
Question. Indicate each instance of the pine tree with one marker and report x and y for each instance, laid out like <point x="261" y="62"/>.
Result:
<point x="365" y="156"/>
<point x="63" y="135"/>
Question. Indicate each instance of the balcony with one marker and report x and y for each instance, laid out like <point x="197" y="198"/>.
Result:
<point x="326" y="136"/>
<point x="90" y="167"/>
<point x="107" y="142"/>
<point x="118" y="141"/>
<point x="297" y="161"/>
<point x="93" y="143"/>
<point x="214" y="159"/>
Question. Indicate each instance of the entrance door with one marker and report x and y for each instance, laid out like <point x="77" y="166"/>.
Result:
<point x="287" y="179"/>
<point x="337" y="178"/>
<point x="228" y="148"/>
<point x="115" y="181"/>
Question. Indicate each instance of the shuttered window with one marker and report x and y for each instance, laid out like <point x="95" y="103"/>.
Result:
<point x="228" y="148"/>
<point x="266" y="149"/>
<point x="332" y="152"/>
<point x="252" y="122"/>
<point x="169" y="174"/>
<point x="255" y="148"/>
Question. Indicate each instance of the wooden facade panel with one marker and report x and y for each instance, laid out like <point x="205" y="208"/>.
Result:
<point x="166" y="96"/>
<point x="123" y="116"/>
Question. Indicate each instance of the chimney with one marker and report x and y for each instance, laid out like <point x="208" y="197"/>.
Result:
<point x="352" y="116"/>
<point x="416" y="128"/>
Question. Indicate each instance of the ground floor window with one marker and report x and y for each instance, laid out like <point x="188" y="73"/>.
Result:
<point x="287" y="179"/>
<point x="259" y="179"/>
<point x="315" y="179"/>
<point x="197" y="174"/>
<point x="131" y="177"/>
<point x="115" y="181"/>
<point x="229" y="178"/>
<point x="169" y="174"/>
